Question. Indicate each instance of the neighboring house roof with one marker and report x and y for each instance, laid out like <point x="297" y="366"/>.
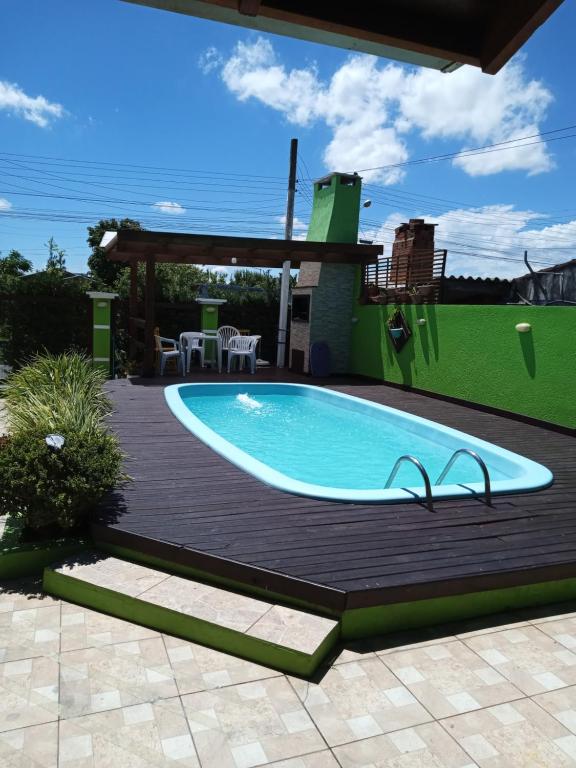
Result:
<point x="441" y="34"/>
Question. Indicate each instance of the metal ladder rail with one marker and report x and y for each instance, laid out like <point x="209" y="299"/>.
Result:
<point x="418" y="464"/>
<point x="479" y="460"/>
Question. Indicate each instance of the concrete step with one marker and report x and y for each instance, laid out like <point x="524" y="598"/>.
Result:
<point x="285" y="638"/>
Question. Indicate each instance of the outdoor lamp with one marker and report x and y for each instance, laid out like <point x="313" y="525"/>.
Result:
<point x="233" y="260"/>
<point x="56" y="442"/>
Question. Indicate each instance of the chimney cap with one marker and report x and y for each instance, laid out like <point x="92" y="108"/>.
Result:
<point x="325" y="180"/>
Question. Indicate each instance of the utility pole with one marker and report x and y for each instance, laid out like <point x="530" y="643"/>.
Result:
<point x="285" y="282"/>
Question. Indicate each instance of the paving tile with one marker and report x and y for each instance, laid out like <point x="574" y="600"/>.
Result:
<point x="150" y="734"/>
<point x="562" y="630"/>
<point x="404" y="641"/>
<point x="28" y="692"/>
<point x="561" y="704"/>
<point x="297" y="630"/>
<point x="84" y="628"/>
<point x="111" y="573"/>
<point x="197" y="668"/>
<point x="19" y="594"/>
<point x="358" y="700"/>
<point x="208" y="603"/>
<point x="531" y="660"/>
<point x="514" y="735"/>
<point x="28" y="632"/>
<point x="98" y="679"/>
<point x="250" y="724"/>
<point x="323" y="759"/>
<point x="553" y="612"/>
<point x="33" y="747"/>
<point x="424" y="746"/>
<point x="354" y="650"/>
<point x="448" y="678"/>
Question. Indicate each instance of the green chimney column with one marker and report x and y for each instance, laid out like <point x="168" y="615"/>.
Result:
<point x="101" y="330"/>
<point x="336" y="209"/>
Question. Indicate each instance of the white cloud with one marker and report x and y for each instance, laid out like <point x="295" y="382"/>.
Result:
<point x="5" y="205"/>
<point x="166" y="206"/>
<point x="371" y="108"/>
<point x="210" y="59"/>
<point x="35" y="109"/>
<point x="298" y="225"/>
<point x="490" y="240"/>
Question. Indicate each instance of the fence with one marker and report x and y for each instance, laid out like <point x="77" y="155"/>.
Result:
<point x="32" y="323"/>
<point x="399" y="278"/>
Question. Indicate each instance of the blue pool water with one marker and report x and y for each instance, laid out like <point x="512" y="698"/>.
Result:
<point x="325" y="444"/>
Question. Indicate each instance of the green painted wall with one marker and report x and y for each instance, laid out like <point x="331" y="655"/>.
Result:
<point x="474" y="353"/>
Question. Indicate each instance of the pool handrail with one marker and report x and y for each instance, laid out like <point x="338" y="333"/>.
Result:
<point x="479" y="460"/>
<point x="419" y="466"/>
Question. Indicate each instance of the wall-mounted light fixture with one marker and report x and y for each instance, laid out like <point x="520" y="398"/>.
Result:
<point x="523" y="327"/>
<point x="421" y="321"/>
<point x="233" y="260"/>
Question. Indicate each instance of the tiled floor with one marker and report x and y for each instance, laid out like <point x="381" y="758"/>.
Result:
<point x="79" y="689"/>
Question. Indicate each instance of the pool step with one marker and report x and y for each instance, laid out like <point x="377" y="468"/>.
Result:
<point x="285" y="638"/>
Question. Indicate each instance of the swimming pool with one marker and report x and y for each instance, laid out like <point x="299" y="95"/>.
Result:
<point x="317" y="442"/>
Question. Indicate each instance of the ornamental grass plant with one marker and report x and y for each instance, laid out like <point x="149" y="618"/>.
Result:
<point x="55" y="483"/>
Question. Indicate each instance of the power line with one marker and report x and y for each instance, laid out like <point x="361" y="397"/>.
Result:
<point x="485" y="149"/>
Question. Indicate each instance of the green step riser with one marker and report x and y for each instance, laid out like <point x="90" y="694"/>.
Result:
<point x="195" y="630"/>
<point x="23" y="562"/>
<point x="379" y="620"/>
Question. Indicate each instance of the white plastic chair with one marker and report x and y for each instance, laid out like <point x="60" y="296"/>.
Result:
<point x="243" y="347"/>
<point x="225" y="333"/>
<point x="191" y="344"/>
<point x="168" y="354"/>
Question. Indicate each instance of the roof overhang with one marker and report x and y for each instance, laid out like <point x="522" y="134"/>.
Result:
<point x="441" y="34"/>
<point x="181" y="248"/>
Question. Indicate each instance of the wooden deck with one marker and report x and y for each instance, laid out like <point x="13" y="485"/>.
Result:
<point x="189" y="506"/>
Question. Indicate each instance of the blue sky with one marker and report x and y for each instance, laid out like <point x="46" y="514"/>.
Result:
<point x="200" y="116"/>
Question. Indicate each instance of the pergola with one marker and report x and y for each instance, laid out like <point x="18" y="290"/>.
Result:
<point x="151" y="248"/>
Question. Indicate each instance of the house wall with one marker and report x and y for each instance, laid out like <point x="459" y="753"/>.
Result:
<point x="474" y="353"/>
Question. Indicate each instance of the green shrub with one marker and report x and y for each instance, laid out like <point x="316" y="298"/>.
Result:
<point x="47" y="487"/>
<point x="56" y="393"/>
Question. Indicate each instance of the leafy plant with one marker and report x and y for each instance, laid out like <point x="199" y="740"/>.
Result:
<point x="56" y="393"/>
<point x="44" y="486"/>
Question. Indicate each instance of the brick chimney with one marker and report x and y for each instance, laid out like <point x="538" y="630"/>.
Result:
<point x="413" y="253"/>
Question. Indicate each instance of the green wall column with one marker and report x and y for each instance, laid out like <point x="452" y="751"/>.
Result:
<point x="209" y="322"/>
<point x="101" y="329"/>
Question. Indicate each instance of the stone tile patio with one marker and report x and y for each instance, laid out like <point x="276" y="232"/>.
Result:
<point x="79" y="689"/>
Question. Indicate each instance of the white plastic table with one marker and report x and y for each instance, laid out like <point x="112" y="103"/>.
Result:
<point x="204" y="336"/>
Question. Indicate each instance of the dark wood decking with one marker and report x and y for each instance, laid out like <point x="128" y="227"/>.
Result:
<point x="188" y="505"/>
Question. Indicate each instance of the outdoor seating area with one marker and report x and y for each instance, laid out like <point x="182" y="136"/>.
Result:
<point x="207" y="348"/>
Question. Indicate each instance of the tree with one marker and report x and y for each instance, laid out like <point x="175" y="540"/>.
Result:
<point x="107" y="272"/>
<point x="12" y="268"/>
<point x="56" y="257"/>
